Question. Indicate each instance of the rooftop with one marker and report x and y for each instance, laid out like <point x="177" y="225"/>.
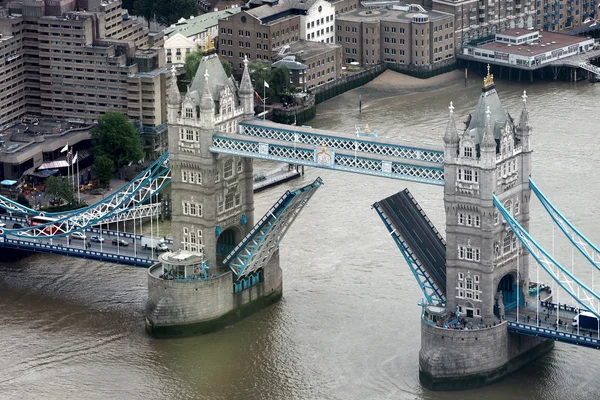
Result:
<point x="548" y="42"/>
<point x="199" y="24"/>
<point x="402" y="13"/>
<point x="305" y="49"/>
<point x="181" y="257"/>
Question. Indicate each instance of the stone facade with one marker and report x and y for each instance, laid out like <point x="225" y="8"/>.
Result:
<point x="212" y="195"/>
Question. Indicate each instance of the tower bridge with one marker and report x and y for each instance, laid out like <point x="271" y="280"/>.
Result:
<point x="479" y="321"/>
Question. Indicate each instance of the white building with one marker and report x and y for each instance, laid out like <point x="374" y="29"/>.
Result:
<point x="177" y="47"/>
<point x="318" y="23"/>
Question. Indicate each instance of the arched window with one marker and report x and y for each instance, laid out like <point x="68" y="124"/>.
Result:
<point x="228" y="169"/>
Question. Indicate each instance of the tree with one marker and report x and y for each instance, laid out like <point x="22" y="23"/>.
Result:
<point x="117" y="138"/>
<point x="227" y="67"/>
<point x="280" y="78"/>
<point x="192" y="61"/>
<point x="21" y="199"/>
<point x="166" y="12"/>
<point x="60" y="187"/>
<point x="260" y="72"/>
<point x="104" y="169"/>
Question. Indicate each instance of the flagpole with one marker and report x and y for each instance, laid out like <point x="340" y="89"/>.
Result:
<point x="264" y="101"/>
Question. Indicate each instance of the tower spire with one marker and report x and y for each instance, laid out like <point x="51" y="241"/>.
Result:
<point x="451" y="135"/>
<point x="246" y="83"/>
<point x="488" y="80"/>
<point x="173" y="95"/>
<point x="488" y="142"/>
<point x="206" y="101"/>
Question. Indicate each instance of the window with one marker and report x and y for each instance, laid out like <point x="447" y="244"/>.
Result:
<point x="228" y="169"/>
<point x="461" y="219"/>
<point x="461" y="276"/>
<point x="477" y="221"/>
<point x="184" y="176"/>
<point x="229" y="201"/>
<point x="217" y="175"/>
<point x="186" y="208"/>
<point x="469" y="253"/>
<point x="469" y="152"/>
<point x="240" y="166"/>
<point x="517" y="207"/>
<point x="496" y="218"/>
<point x="189" y="112"/>
<point x="507" y="242"/>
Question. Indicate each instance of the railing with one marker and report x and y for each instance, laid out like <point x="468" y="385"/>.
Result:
<point x="573" y="338"/>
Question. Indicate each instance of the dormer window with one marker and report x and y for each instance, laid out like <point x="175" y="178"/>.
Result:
<point x="189" y="112"/>
<point x="468" y="151"/>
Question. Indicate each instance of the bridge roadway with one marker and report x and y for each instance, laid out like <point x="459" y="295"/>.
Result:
<point x="547" y="327"/>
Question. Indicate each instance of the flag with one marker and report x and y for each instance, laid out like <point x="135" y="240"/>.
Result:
<point x="75" y="159"/>
<point x="258" y="97"/>
<point x="69" y="156"/>
<point x="266" y="84"/>
<point x="65" y="148"/>
<point x="594" y="24"/>
<point x="587" y="20"/>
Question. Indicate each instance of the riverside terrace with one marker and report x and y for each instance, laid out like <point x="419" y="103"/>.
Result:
<point x="25" y="146"/>
<point x="529" y="50"/>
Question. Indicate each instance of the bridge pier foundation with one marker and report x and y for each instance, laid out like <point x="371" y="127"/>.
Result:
<point x="474" y="358"/>
<point x="196" y="307"/>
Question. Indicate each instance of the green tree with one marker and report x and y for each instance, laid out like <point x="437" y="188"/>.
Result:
<point x="117" y="138"/>
<point x="166" y="12"/>
<point x="21" y="199"/>
<point x="260" y="72"/>
<point x="280" y="79"/>
<point x="192" y="61"/>
<point x="60" y="187"/>
<point x="227" y="67"/>
<point x="104" y="169"/>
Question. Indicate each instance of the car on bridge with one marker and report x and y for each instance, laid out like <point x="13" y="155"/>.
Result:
<point x="17" y="225"/>
<point x="97" y="239"/>
<point x="120" y="242"/>
<point x="78" y="235"/>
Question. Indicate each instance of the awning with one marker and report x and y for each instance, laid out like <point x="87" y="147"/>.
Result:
<point x="54" y="165"/>
<point x="7" y="182"/>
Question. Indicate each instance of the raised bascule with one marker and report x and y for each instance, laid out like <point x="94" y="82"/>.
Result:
<point x="481" y="318"/>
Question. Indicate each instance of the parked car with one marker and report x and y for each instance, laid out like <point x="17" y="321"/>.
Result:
<point x="17" y="225"/>
<point x="97" y="239"/>
<point x="120" y="242"/>
<point x="2" y="225"/>
<point x="78" y="236"/>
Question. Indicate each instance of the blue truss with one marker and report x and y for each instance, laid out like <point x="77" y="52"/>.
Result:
<point x="432" y="293"/>
<point x="336" y="159"/>
<point x="261" y="242"/>
<point x="546" y="261"/>
<point x="585" y="247"/>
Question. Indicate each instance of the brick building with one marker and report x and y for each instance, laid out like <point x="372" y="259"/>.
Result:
<point x="403" y="34"/>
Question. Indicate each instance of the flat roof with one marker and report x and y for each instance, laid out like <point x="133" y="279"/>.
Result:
<point x="305" y="49"/>
<point x="362" y="15"/>
<point x="550" y="41"/>
<point x="201" y="23"/>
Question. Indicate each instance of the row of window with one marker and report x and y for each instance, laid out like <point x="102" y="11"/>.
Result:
<point x="513" y="207"/>
<point x="319" y="22"/>
<point x="231" y="200"/>
<point x="468" y="175"/>
<point x="192" y="209"/>
<point x="192" y="239"/>
<point x="469" y="253"/>
<point x="506" y="168"/>
<point x="469" y="219"/>
<point x="468" y="287"/>
<point x="191" y="177"/>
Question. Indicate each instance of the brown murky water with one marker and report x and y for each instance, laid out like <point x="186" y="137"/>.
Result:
<point x="348" y="324"/>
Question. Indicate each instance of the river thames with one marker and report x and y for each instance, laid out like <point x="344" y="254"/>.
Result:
<point x="347" y="326"/>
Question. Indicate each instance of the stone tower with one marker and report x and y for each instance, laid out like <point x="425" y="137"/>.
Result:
<point x="492" y="155"/>
<point x="486" y="268"/>
<point x="213" y="200"/>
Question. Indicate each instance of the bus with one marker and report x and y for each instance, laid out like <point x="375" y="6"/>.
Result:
<point x="39" y="220"/>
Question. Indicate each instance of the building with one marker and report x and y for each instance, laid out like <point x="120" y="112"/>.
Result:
<point x="187" y="35"/>
<point x="528" y="49"/>
<point x="66" y="63"/>
<point x="311" y="63"/>
<point x="210" y="6"/>
<point x="267" y="25"/>
<point x="402" y="34"/>
<point x="565" y="15"/>
<point x="483" y="18"/>
<point x="37" y="143"/>
<point x="486" y="268"/>
<point x="213" y="210"/>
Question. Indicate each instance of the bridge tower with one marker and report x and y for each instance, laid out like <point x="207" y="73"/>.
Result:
<point x="213" y="207"/>
<point x="487" y="272"/>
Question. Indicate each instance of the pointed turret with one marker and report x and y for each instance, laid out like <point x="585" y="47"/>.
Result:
<point x="488" y="143"/>
<point x="246" y="92"/>
<point x="207" y="106"/>
<point x="451" y="135"/>
<point x="524" y="127"/>
<point x="173" y="99"/>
